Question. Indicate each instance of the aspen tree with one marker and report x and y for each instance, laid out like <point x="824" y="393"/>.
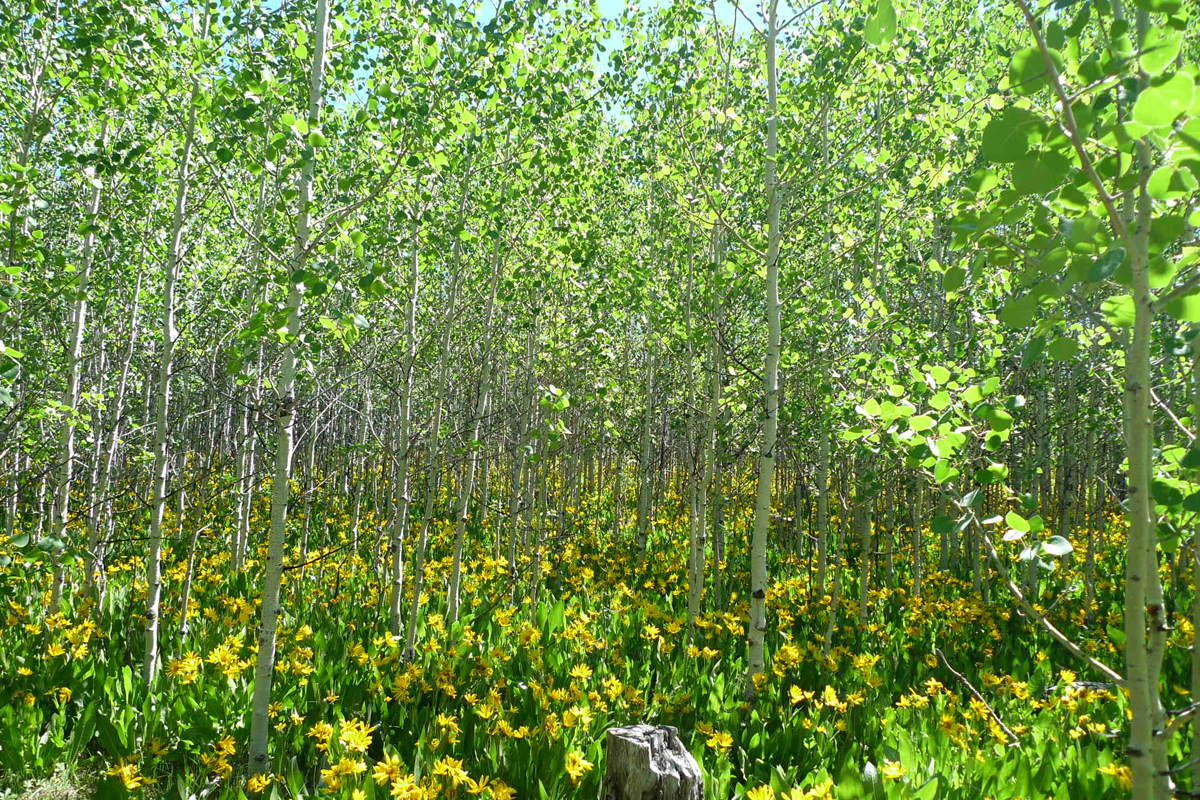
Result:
<point x="468" y="483"/>
<point x="770" y="423"/>
<point x="645" y="486"/>
<point x="260" y="723"/>
<point x="404" y="493"/>
<point x="433" y="464"/>
<point x="70" y="395"/>
<point x="163" y="386"/>
<point x="95" y="568"/>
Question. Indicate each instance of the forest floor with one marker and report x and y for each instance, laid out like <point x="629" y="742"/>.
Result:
<point x="514" y="700"/>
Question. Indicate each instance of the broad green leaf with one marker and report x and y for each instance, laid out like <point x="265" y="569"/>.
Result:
<point x="1116" y="634"/>
<point x="1166" y="493"/>
<point x="1158" y="105"/>
<point x="942" y="471"/>
<point x="920" y="423"/>
<point x="942" y="524"/>
<point x="1160" y="49"/>
<point x="1119" y="311"/>
<point x="1106" y="265"/>
<point x="1185" y="308"/>
<point x="1056" y="546"/>
<point x="1008" y="136"/>
<point x="880" y="29"/>
<point x="1000" y="420"/>
<point x="1041" y="173"/>
<point x="1027" y="72"/>
<point x="1033" y="351"/>
<point x="1159" y="6"/>
<point x="1016" y="521"/>
<point x="1062" y="348"/>
<point x="1019" y="311"/>
<point x="955" y="278"/>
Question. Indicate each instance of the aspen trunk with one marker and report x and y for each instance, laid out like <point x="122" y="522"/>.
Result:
<point x="644" y="483"/>
<point x="862" y="516"/>
<point x="260" y="723"/>
<point x="1145" y="621"/>
<point x="468" y="483"/>
<point x="163" y="396"/>
<point x="95" y="572"/>
<point x="434" y="466"/>
<point x="70" y="396"/>
<point x="766" y="452"/>
<point x="400" y="521"/>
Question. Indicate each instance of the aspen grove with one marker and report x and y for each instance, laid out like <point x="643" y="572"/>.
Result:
<point x="397" y="396"/>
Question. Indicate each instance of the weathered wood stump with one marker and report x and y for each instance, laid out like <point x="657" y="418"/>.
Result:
<point x="650" y="763"/>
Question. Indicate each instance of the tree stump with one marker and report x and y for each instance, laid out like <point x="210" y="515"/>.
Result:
<point x="650" y="763"/>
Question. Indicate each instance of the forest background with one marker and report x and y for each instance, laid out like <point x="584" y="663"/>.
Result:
<point x="396" y="396"/>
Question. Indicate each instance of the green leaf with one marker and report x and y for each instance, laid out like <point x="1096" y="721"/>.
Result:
<point x="1040" y="174"/>
<point x="1116" y="634"/>
<point x="881" y="27"/>
<point x="920" y="423"/>
<point x="1027" y="72"/>
<point x="1007" y="137"/>
<point x="1016" y="522"/>
<point x="1018" y="312"/>
<point x="1160" y="49"/>
<point x="1159" y="6"/>
<point x="1165" y="493"/>
<point x="1119" y="311"/>
<point x="1057" y="546"/>
<point x="1158" y="106"/>
<point x="1033" y="351"/>
<point x="955" y="278"/>
<point x="942" y="524"/>
<point x="942" y="471"/>
<point x="1185" y="308"/>
<point x="999" y="420"/>
<point x="1106" y="265"/>
<point x="1062" y="348"/>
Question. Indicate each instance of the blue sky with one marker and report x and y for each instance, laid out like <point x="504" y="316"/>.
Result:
<point x="613" y="8"/>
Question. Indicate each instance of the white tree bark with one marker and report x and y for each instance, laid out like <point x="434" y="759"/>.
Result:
<point x="468" y="483"/>
<point x="770" y="424"/>
<point x="822" y="512"/>
<point x="163" y="391"/>
<point x="644" y="482"/>
<point x="70" y="396"/>
<point x="434" y="465"/>
<point x="400" y="521"/>
<point x="264" y="672"/>
<point x="95" y="572"/>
